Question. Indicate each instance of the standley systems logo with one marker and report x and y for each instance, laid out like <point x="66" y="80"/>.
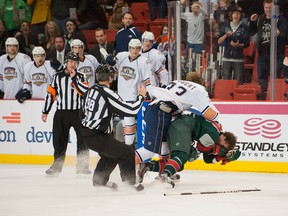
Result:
<point x="15" y="117"/>
<point x="269" y="128"/>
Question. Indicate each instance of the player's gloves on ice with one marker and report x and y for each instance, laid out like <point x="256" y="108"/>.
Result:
<point x="232" y="155"/>
<point x="22" y="95"/>
<point x="56" y="65"/>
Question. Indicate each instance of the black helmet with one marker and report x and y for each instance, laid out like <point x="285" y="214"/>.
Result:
<point x="105" y="68"/>
<point x="72" y="56"/>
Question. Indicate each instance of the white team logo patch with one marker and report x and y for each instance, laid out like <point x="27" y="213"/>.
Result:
<point x="39" y="79"/>
<point x="128" y="73"/>
<point x="87" y="71"/>
<point x="10" y="73"/>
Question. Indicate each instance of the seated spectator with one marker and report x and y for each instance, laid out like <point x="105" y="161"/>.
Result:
<point x="3" y="36"/>
<point x="91" y="16"/>
<point x="163" y="32"/>
<point x="26" y="39"/>
<point x="73" y="32"/>
<point x="51" y="30"/>
<point x="100" y="36"/>
<point x="116" y="18"/>
<point x="59" y="51"/>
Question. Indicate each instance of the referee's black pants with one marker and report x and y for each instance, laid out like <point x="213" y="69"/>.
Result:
<point x="112" y="152"/>
<point x="62" y="122"/>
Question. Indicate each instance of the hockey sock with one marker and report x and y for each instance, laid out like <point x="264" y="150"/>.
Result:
<point x="176" y="163"/>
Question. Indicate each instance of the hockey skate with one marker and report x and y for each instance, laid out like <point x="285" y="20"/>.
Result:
<point x="52" y="172"/>
<point x="109" y="184"/>
<point x="138" y="187"/>
<point x="143" y="168"/>
<point x="165" y="179"/>
<point x="85" y="171"/>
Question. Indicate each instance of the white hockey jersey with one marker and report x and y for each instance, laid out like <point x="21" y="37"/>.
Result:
<point x="36" y="79"/>
<point x="186" y="95"/>
<point x="159" y="74"/>
<point x="88" y="68"/>
<point x="130" y="74"/>
<point x="12" y="74"/>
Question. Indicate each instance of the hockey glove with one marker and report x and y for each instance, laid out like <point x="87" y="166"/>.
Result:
<point x="22" y="95"/>
<point x="193" y="154"/>
<point x="56" y="65"/>
<point x="219" y="150"/>
<point x="232" y="155"/>
<point x="110" y="60"/>
<point x="1" y="94"/>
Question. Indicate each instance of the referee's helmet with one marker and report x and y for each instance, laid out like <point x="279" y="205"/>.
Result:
<point x="72" y="56"/>
<point x="104" y="71"/>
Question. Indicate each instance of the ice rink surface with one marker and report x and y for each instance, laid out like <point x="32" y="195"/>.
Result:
<point x="26" y="191"/>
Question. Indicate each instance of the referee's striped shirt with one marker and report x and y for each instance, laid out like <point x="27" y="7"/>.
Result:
<point x="98" y="106"/>
<point x="66" y="91"/>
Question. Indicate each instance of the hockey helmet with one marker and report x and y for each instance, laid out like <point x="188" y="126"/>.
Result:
<point x="38" y="50"/>
<point x="76" y="42"/>
<point x="148" y="36"/>
<point x="11" y="41"/>
<point x="135" y="43"/>
<point x="72" y="56"/>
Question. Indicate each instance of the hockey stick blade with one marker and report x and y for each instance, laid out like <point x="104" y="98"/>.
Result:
<point x="213" y="192"/>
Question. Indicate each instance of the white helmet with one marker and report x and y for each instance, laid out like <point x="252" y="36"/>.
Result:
<point x="38" y="50"/>
<point x="135" y="43"/>
<point x="76" y="42"/>
<point x="148" y="35"/>
<point x="11" y="41"/>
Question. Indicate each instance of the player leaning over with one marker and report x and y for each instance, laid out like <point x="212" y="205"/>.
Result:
<point x="132" y="69"/>
<point x="159" y="74"/>
<point x="12" y="69"/>
<point x="178" y="96"/>
<point x="37" y="75"/>
<point x="87" y="63"/>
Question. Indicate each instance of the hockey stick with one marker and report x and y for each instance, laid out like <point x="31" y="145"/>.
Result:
<point x="213" y="192"/>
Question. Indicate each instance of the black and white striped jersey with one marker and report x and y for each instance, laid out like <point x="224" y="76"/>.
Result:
<point x="100" y="103"/>
<point x="66" y="91"/>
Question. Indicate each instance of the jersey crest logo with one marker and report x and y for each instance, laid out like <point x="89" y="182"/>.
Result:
<point x="10" y="73"/>
<point x="39" y="79"/>
<point x="87" y="71"/>
<point x="128" y="73"/>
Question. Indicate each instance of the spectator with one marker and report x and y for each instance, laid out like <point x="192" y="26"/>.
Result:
<point x="262" y="26"/>
<point x="157" y="8"/>
<point x="73" y="32"/>
<point x="221" y="15"/>
<point x="59" y="51"/>
<point x="3" y="36"/>
<point x="62" y="10"/>
<point x="91" y="16"/>
<point x="100" y="36"/>
<point x="12" y="69"/>
<point x="41" y="14"/>
<point x="51" y="30"/>
<point x="234" y="37"/>
<point x="87" y="63"/>
<point x="67" y="88"/>
<point x="26" y="38"/>
<point x="116" y="18"/>
<point x="127" y="33"/>
<point x="12" y="13"/>
<point x="195" y="31"/>
<point x="37" y="75"/>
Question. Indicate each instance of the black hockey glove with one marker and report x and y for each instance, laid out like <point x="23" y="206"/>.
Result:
<point x="56" y="65"/>
<point x="22" y="95"/>
<point x="110" y="60"/>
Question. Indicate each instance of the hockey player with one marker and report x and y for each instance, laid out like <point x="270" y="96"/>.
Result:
<point x="37" y="75"/>
<point x="159" y="74"/>
<point x="12" y="69"/>
<point x="178" y="96"/>
<point x="133" y="69"/>
<point x="87" y="64"/>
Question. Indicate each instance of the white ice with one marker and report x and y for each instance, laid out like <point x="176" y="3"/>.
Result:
<point x="26" y="191"/>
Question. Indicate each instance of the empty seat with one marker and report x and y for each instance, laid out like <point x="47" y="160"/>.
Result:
<point x="223" y="89"/>
<point x="110" y="35"/>
<point x="249" y="55"/>
<point x="247" y="94"/>
<point x="90" y="36"/>
<point x="142" y="25"/>
<point x="138" y="9"/>
<point x="280" y="90"/>
<point x="255" y="86"/>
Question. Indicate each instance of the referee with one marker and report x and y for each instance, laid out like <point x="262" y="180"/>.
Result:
<point x="67" y="87"/>
<point x="99" y="105"/>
